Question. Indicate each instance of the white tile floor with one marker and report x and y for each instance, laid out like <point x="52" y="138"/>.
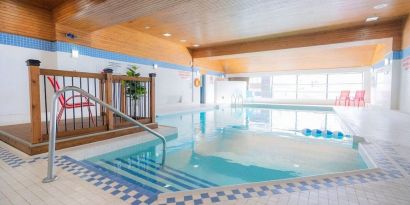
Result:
<point x="389" y="131"/>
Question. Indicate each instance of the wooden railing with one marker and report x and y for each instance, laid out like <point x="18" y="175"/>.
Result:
<point x="78" y="115"/>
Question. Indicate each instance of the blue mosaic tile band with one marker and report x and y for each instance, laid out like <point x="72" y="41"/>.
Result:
<point x="27" y="42"/>
<point x="395" y="55"/>
<point x="406" y="52"/>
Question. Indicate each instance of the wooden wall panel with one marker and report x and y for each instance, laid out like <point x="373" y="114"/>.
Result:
<point x="129" y="41"/>
<point x="27" y="20"/>
<point x="206" y="64"/>
<point x="380" y="52"/>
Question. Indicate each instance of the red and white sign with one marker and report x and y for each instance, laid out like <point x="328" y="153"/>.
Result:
<point x="406" y="63"/>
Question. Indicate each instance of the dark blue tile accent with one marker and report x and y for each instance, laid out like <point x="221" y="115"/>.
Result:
<point x="198" y="201"/>
<point x="261" y="193"/>
<point x="220" y="193"/>
<point x="246" y="195"/>
<point x="231" y="197"/>
<point x="236" y="191"/>
<point x="215" y="199"/>
<point x="188" y="198"/>
<point x="171" y="200"/>
<point x="275" y="191"/>
<point x="115" y="192"/>
<point x="204" y="195"/>
<point x="250" y="189"/>
<point x="125" y="197"/>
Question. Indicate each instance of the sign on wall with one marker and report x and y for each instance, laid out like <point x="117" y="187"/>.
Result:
<point x="406" y="63"/>
<point x="185" y="75"/>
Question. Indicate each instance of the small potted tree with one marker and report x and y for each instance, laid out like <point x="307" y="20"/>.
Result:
<point x="133" y="89"/>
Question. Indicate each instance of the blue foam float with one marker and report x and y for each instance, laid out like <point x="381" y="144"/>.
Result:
<point x="338" y="135"/>
<point x="307" y="132"/>
<point x="316" y="133"/>
<point x="329" y="134"/>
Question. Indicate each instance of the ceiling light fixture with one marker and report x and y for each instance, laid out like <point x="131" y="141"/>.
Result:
<point x="167" y="34"/>
<point x="373" y="18"/>
<point x="183" y="40"/>
<point x="147" y="27"/>
<point x="196" y="45"/>
<point x="380" y="6"/>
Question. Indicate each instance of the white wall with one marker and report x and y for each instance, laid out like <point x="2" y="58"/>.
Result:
<point x="14" y="103"/>
<point x="405" y="86"/>
<point x="224" y="90"/>
<point x="172" y="86"/>
<point x="385" y="85"/>
<point x="210" y="89"/>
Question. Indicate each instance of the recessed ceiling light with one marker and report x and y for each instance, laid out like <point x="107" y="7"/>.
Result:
<point x="183" y="40"/>
<point x="196" y="45"/>
<point x="373" y="18"/>
<point x="380" y="6"/>
<point x="147" y="27"/>
<point x="167" y="34"/>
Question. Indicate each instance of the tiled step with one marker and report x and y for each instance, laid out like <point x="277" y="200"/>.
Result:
<point x="148" y="173"/>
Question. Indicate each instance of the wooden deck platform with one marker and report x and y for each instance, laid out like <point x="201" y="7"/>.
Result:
<point x="19" y="135"/>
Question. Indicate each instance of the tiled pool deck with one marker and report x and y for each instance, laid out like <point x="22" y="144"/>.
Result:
<point x="387" y="133"/>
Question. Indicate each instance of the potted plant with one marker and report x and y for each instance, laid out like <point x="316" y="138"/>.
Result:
<point x="133" y="89"/>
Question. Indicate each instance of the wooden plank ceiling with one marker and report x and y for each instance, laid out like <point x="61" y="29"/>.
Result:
<point x="235" y="25"/>
<point x="214" y="22"/>
<point x="301" y="59"/>
<point x="45" y="4"/>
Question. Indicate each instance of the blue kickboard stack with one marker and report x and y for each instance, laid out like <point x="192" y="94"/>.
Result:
<point x="324" y="133"/>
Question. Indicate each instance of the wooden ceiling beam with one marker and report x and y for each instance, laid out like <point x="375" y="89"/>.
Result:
<point x="390" y="29"/>
<point x="92" y="15"/>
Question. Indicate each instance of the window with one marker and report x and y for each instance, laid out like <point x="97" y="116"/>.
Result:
<point x="284" y="87"/>
<point x="344" y="81"/>
<point x="312" y="86"/>
<point x="305" y="86"/>
<point x="260" y="86"/>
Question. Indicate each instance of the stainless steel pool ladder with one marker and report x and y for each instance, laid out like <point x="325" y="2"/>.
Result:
<point x="235" y="98"/>
<point x="53" y="128"/>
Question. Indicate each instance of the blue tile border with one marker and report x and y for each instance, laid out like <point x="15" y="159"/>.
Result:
<point x="59" y="46"/>
<point x="394" y="55"/>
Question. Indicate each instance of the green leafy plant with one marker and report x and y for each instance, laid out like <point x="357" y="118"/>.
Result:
<point x="134" y="89"/>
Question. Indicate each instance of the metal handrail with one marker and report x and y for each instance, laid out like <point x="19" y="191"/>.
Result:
<point x="53" y="128"/>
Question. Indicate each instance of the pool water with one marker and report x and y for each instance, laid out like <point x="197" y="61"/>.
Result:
<point x="237" y="145"/>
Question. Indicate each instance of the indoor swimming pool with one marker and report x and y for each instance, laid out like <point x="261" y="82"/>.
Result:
<point x="229" y="146"/>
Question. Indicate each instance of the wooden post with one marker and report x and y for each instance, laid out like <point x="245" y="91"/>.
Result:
<point x="152" y="97"/>
<point x="108" y="98"/>
<point x="34" y="90"/>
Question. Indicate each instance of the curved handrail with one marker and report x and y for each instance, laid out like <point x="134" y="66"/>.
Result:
<point x="53" y="128"/>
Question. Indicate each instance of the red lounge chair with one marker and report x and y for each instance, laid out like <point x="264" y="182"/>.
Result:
<point x="358" y="99"/>
<point x="343" y="99"/>
<point x="65" y="103"/>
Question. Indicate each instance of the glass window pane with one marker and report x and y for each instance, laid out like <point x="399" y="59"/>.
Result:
<point x="284" y="94"/>
<point x="345" y="78"/>
<point x="312" y="79"/>
<point x="284" y="79"/>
